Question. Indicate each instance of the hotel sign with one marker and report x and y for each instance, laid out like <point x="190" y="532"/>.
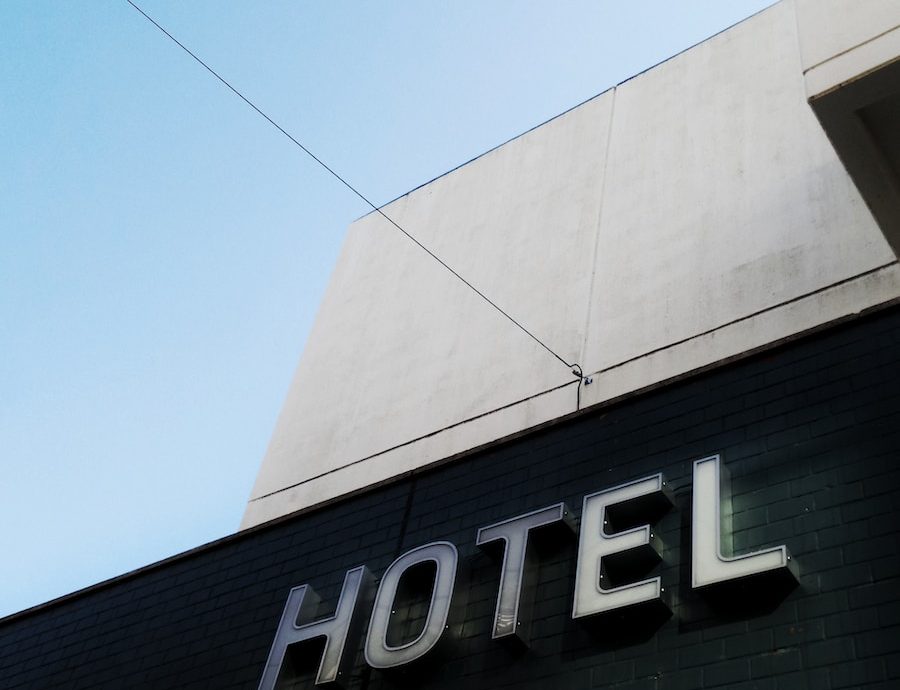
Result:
<point x="598" y="546"/>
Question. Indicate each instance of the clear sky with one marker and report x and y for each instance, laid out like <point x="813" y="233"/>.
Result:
<point x="163" y="249"/>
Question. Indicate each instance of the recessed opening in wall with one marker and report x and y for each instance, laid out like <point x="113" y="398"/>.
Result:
<point x="882" y="119"/>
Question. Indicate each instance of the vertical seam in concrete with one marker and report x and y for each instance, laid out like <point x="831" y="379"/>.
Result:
<point x="797" y="41"/>
<point x="801" y="74"/>
<point x="590" y="295"/>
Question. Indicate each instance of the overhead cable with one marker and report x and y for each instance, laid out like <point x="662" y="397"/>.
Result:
<point x="574" y="366"/>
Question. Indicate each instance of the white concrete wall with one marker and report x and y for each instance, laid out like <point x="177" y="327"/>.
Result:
<point x="692" y="214"/>
<point x="841" y="40"/>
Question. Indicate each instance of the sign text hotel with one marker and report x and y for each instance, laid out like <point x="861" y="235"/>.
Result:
<point x="592" y="596"/>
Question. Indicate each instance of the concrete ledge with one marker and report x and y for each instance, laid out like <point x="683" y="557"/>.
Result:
<point x="415" y="454"/>
<point x="746" y="336"/>
<point x="853" y="64"/>
<point x="738" y="339"/>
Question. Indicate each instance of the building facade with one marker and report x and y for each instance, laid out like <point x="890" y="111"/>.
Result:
<point x="710" y="502"/>
<point x="809" y="432"/>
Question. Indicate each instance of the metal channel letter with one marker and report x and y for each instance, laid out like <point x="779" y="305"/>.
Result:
<point x="511" y="616"/>
<point x="592" y="596"/>
<point x="302" y="604"/>
<point x="380" y="654"/>
<point x="711" y="529"/>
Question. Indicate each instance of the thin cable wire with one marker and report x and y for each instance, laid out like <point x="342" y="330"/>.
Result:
<point x="576" y="369"/>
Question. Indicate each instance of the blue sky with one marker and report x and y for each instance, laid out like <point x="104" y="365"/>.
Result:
<point x="163" y="250"/>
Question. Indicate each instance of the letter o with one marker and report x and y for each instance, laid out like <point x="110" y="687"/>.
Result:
<point x="380" y="654"/>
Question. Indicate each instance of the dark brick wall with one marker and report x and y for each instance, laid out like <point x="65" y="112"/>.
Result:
<point x="809" y="433"/>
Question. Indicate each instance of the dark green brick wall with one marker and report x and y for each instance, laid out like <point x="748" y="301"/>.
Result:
<point x="810" y="434"/>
